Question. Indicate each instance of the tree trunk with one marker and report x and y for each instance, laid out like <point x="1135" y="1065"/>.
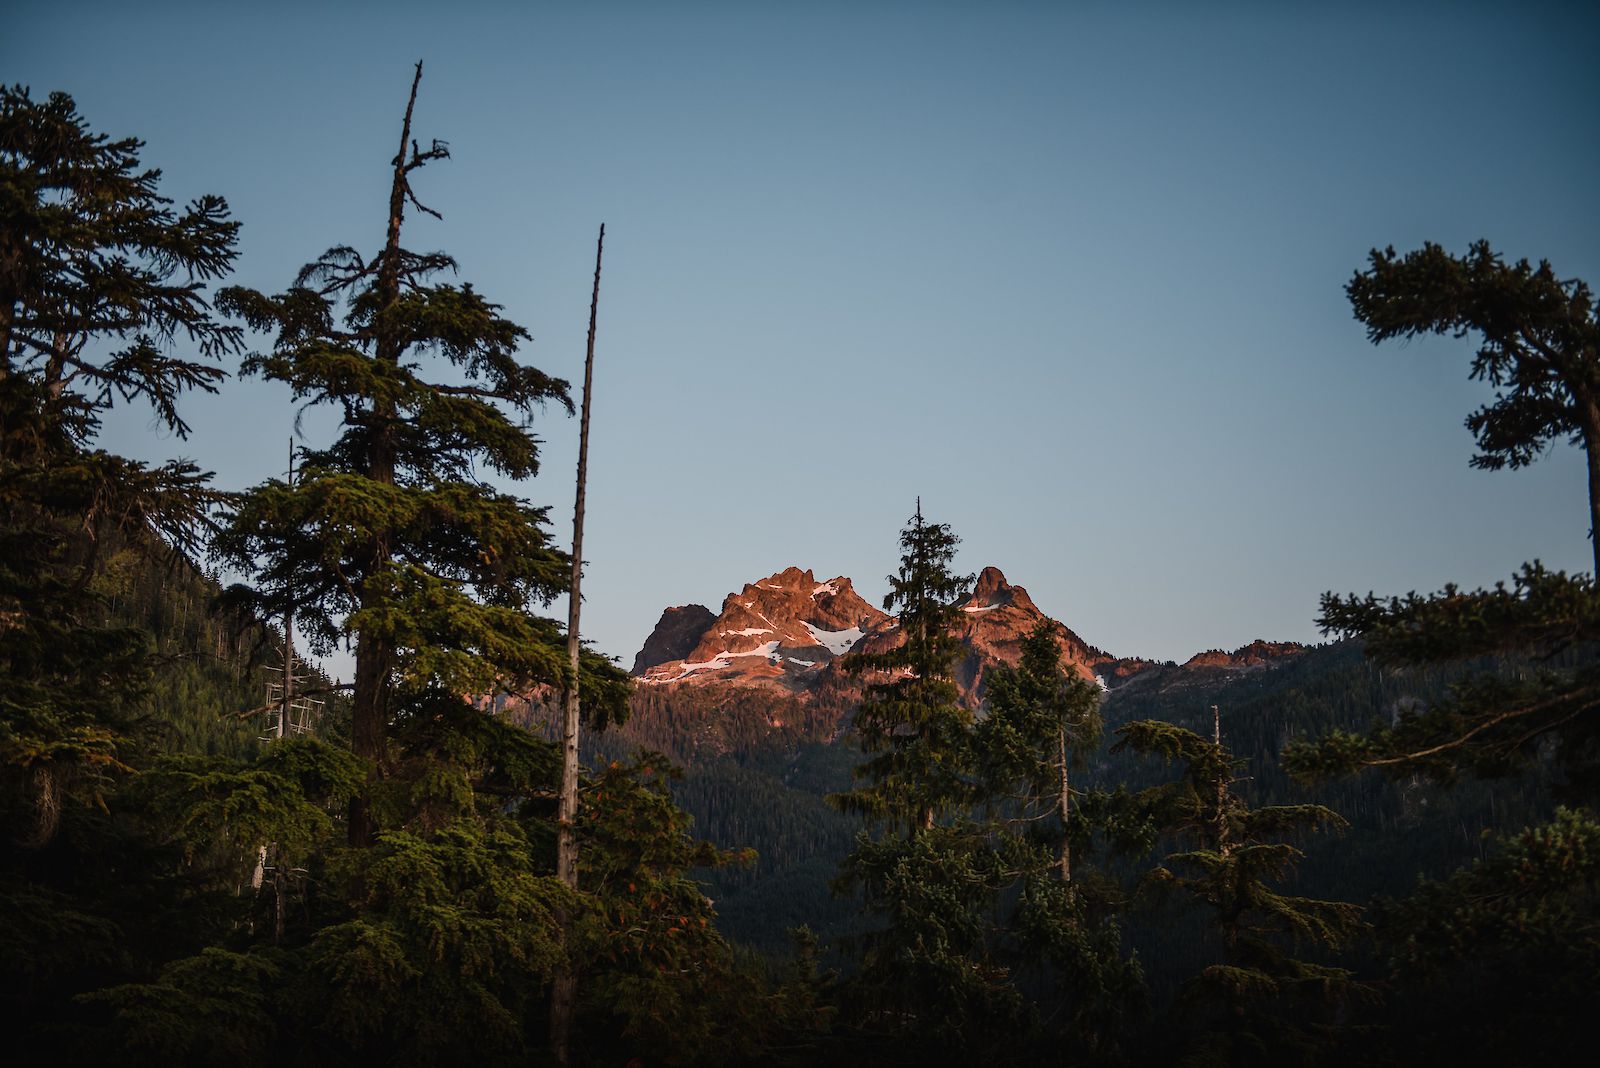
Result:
<point x="564" y="993"/>
<point x="1591" y="452"/>
<point x="375" y="656"/>
<point x="1222" y="784"/>
<point x="1065" y="810"/>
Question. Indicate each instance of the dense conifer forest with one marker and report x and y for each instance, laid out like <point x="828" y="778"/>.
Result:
<point x="1385" y="849"/>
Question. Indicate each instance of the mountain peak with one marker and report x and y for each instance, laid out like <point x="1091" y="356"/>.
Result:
<point x="778" y="631"/>
<point x="676" y="634"/>
<point x="993" y="591"/>
<point x="991" y="580"/>
<point x="790" y="578"/>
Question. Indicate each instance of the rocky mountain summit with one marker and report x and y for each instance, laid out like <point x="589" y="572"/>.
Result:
<point x="772" y="658"/>
<point x="787" y="631"/>
<point x="781" y="631"/>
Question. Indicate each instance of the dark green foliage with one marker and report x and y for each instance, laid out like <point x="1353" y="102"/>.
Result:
<point x="1489" y="725"/>
<point x="656" y="978"/>
<point x="218" y="812"/>
<point x="391" y="538"/>
<point x="102" y="298"/>
<point x="929" y="978"/>
<point x="1256" y="1003"/>
<point x="1538" y="340"/>
<point x="212" y="1008"/>
<point x="1497" y="962"/>
<point x="451" y="940"/>
<point x="1041" y="725"/>
<point x="975" y="891"/>
<point x="911" y="719"/>
<point x="92" y="259"/>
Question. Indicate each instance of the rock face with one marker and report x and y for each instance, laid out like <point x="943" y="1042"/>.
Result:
<point x="772" y="661"/>
<point x="779" y="632"/>
<point x="677" y="633"/>
<point x="1258" y="654"/>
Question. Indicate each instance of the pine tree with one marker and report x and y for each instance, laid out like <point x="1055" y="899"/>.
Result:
<point x="1041" y="721"/>
<point x="1257" y="1003"/>
<point x="1540" y="346"/>
<point x="911" y="718"/>
<point x="99" y="280"/>
<point x="390" y="539"/>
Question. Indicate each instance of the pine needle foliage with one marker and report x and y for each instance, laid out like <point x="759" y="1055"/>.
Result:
<point x="391" y="538"/>
<point x="911" y="721"/>
<point x="1492" y="724"/>
<point x="1539" y="345"/>
<point x="1258" y="1003"/>
<point x="99" y="280"/>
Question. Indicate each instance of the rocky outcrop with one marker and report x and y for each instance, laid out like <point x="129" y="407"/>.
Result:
<point x="677" y="633"/>
<point x="781" y="631"/>
<point x="1258" y="654"/>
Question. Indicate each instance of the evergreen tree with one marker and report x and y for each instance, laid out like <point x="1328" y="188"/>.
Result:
<point x="1041" y="722"/>
<point x="102" y="299"/>
<point x="1540" y="346"/>
<point x="929" y="980"/>
<point x="1040" y="725"/>
<point x="99" y="279"/>
<point x="1531" y="906"/>
<point x="911" y="719"/>
<point x="1257" y="1003"/>
<point x="1496" y="963"/>
<point x="390" y="539"/>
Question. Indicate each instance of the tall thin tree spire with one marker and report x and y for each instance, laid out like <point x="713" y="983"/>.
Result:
<point x="565" y="989"/>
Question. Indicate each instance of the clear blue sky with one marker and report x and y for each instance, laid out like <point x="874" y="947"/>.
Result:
<point x="1073" y="273"/>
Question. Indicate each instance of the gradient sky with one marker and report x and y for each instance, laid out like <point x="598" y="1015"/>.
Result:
<point x="1072" y="273"/>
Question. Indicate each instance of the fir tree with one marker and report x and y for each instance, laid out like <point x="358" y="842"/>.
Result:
<point x="1257" y="1003"/>
<point x="100" y="279"/>
<point x="1530" y="910"/>
<point x="1040" y="725"/>
<point x="930" y="979"/>
<point x="102" y="300"/>
<point x="911" y="719"/>
<point x="390" y="540"/>
<point x="1041" y="722"/>
<point x="1540" y="346"/>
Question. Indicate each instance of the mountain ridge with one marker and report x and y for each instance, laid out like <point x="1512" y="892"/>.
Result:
<point x="782" y="642"/>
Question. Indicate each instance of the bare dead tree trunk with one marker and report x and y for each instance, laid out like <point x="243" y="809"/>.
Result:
<point x="1065" y="811"/>
<point x="288" y="636"/>
<point x="564" y="992"/>
<point x="1223" y="846"/>
<point x="1591" y="451"/>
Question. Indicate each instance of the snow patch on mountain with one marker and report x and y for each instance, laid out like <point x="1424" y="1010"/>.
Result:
<point x="837" y="642"/>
